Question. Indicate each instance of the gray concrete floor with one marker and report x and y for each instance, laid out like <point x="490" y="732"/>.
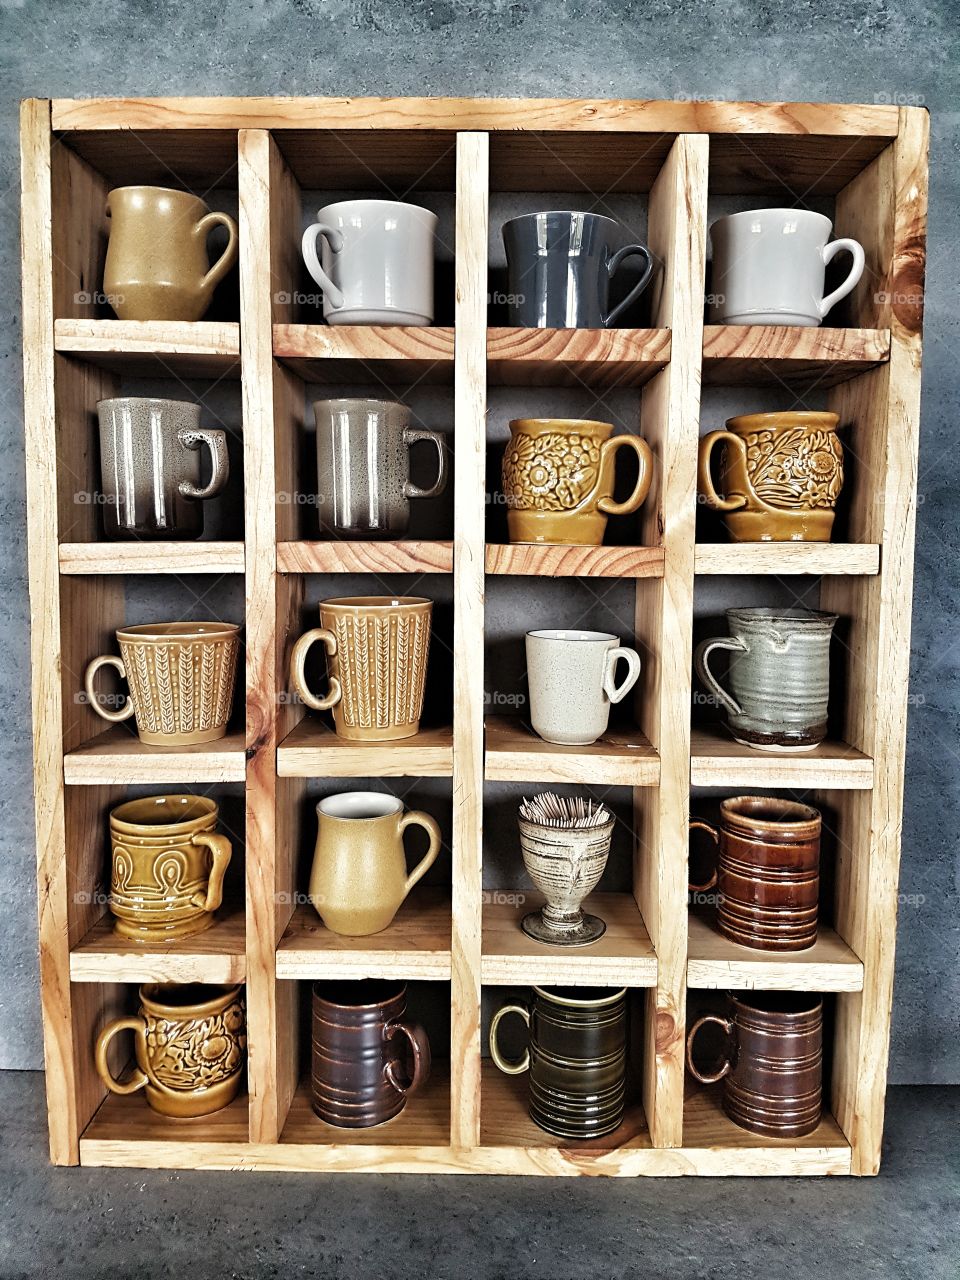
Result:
<point x="133" y="1223"/>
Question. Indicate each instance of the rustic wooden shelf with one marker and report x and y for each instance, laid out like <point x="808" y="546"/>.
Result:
<point x="514" y="753"/>
<point x="529" y="559"/>
<point x="118" y="756"/>
<point x="151" y="557"/>
<point x="772" y="355"/>
<point x="423" y="1122"/>
<point x="153" y="348"/>
<point x="715" y="962"/>
<point x="337" y="353"/>
<point x="718" y="761"/>
<point x="598" y="358"/>
<point x="706" y="1128"/>
<point x="126" y="1131"/>
<point x="365" y="557"/>
<point x="312" y="750"/>
<point x="216" y="955"/>
<point x="786" y="558"/>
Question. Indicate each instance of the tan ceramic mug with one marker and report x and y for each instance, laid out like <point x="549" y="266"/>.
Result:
<point x="190" y="1043"/>
<point x="359" y="877"/>
<point x="181" y="677"/>
<point x="157" y="266"/>
<point x="167" y="864"/>
<point x="377" y="649"/>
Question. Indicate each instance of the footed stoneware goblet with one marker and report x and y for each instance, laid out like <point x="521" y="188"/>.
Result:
<point x="565" y="844"/>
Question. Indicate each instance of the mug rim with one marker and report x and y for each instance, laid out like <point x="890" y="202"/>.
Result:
<point x="359" y="400"/>
<point x="792" y="417"/>
<point x="805" y="814"/>
<point x="753" y="1002"/>
<point x="583" y="636"/>
<point x="372" y="1004"/>
<point x="372" y="202"/>
<point x="396" y="806"/>
<point x="770" y="613"/>
<point x="186" y="404"/>
<point x="560" y="422"/>
<point x="152" y="186"/>
<point x="375" y="602"/>
<point x="163" y="631"/>
<point x="228" y="992"/>
<point x="573" y="1002"/>
<point x="752" y="213"/>
<point x="208" y="806"/>
<point x="567" y="213"/>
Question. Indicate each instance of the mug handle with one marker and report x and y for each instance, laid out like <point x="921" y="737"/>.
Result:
<point x="299" y="679"/>
<point x="308" y="247"/>
<point x="416" y="818"/>
<point x="699" y="825"/>
<point x="629" y="250"/>
<point x="522" y="1064"/>
<point x="420" y="1046"/>
<point x="216" y="442"/>
<point x="222" y="850"/>
<point x="608" y="451"/>
<point x="703" y="651"/>
<point x="828" y="253"/>
<point x="727" y="1063"/>
<point x="140" y="1077"/>
<point x="108" y="660"/>
<point x="632" y="659"/>
<point x="410" y="490"/>
<point x="705" y="478"/>
<point x="229" y="255"/>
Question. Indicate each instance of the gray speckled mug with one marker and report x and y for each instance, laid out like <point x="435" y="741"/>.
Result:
<point x="779" y="676"/>
<point x="571" y="675"/>
<point x="363" y="467"/>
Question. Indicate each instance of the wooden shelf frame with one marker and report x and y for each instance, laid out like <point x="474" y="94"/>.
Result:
<point x="872" y="161"/>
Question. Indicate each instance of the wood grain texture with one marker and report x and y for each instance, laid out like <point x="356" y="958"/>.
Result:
<point x="313" y="750"/>
<point x="514" y="753"/>
<point x="716" y="963"/>
<point x="151" y="557"/>
<point x="118" y="756"/>
<point x="528" y="559"/>
<point x="337" y="353"/>
<point x="153" y="348"/>
<point x="787" y="558"/>
<point x="771" y="355"/>
<point x="365" y="557"/>
<point x="718" y="761"/>
<point x="216" y="955"/>
<point x="598" y="358"/>
<point x="707" y="1128"/>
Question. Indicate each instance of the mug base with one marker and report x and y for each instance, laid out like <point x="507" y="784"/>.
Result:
<point x="778" y="747"/>
<point x="391" y="734"/>
<point x="193" y="1103"/>
<point x="182" y="739"/>
<point x="152" y="935"/>
<point x="369" y="315"/>
<point x="782" y="319"/>
<point x="587" y="931"/>
<point x="779" y="526"/>
<point x="557" y="528"/>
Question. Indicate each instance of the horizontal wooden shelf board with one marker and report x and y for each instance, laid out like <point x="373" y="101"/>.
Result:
<point x="215" y="955"/>
<point x="127" y="1121"/>
<point x="514" y="753"/>
<point x="336" y="352"/>
<point x="415" y="945"/>
<point x="153" y="348"/>
<point x="423" y="1122"/>
<point x="312" y="750"/>
<point x="718" y="761"/>
<point x="365" y="557"/>
<point x="598" y="358"/>
<point x="157" y="156"/>
<point x="715" y="963"/>
<point x="706" y="1127"/>
<point x="151" y="557"/>
<point x="624" y="956"/>
<point x="775" y="355"/>
<point x="529" y="559"/>
<point x="118" y="756"/>
<point x="787" y="558"/>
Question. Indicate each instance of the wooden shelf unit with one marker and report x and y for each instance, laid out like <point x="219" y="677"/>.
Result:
<point x="871" y="162"/>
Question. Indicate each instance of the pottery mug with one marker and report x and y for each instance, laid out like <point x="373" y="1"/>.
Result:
<point x="367" y="1059"/>
<point x="376" y="262"/>
<point x="558" y="478"/>
<point x="377" y="648"/>
<point x="559" y="268"/>
<point x="572" y="681"/>
<point x="769" y="267"/>
<point x="157" y="266"/>
<point x="167" y="864"/>
<point x="359" y="877"/>
<point x="565" y="864"/>
<point x="768" y="872"/>
<point x="181" y="677"/>
<point x="773" y="1065"/>
<point x="190" y="1044"/>
<point x="363" y="467"/>
<point x="577" y="1058"/>
<point x="150" y="467"/>
<point x="779" y="676"/>
<point x="782" y="474"/>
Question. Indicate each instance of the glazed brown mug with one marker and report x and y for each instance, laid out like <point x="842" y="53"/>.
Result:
<point x="190" y="1044"/>
<point x="358" y="1076"/>
<point x="773" y="1064"/>
<point x="768" y="872"/>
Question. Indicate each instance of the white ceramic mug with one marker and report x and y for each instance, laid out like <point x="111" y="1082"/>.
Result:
<point x="572" y="680"/>
<point x="769" y="265"/>
<point x="377" y="262"/>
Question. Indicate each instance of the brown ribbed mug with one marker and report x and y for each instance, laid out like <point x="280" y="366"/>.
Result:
<point x="768" y="872"/>
<point x="357" y="1074"/>
<point x="772" y="1071"/>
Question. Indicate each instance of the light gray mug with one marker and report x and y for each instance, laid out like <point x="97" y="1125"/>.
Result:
<point x="572" y="680"/>
<point x="779" y="676"/>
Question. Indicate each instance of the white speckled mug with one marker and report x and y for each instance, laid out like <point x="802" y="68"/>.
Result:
<point x="572" y="679"/>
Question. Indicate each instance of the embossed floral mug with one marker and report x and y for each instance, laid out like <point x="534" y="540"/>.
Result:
<point x="781" y="475"/>
<point x="558" y="478"/>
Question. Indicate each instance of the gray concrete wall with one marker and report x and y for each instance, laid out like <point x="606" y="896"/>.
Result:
<point x="865" y="51"/>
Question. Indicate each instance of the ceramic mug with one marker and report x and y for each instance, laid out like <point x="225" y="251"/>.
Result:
<point x="150" y="467"/>
<point x="358" y="1077"/>
<point x="359" y="877"/>
<point x="773" y="1066"/>
<point x="157" y="266"/>
<point x="577" y="1058"/>
<point x="779" y="676"/>
<point x="181" y="677"/>
<point x="559" y="268"/>
<point x="768" y="872"/>
<point x="167" y="864"/>
<point x="769" y="267"/>
<point x="572" y="681"/>
<point x="558" y="478"/>
<point x="190" y="1044"/>
<point x="782" y="474"/>
<point x="377" y="648"/>
<point x="363" y="467"/>
<point x="376" y="262"/>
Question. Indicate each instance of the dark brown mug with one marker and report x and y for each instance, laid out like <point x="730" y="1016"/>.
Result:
<point x="773" y="1068"/>
<point x="768" y="872"/>
<point x="358" y="1072"/>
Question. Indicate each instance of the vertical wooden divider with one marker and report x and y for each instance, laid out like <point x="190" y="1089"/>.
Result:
<point x="470" y="386"/>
